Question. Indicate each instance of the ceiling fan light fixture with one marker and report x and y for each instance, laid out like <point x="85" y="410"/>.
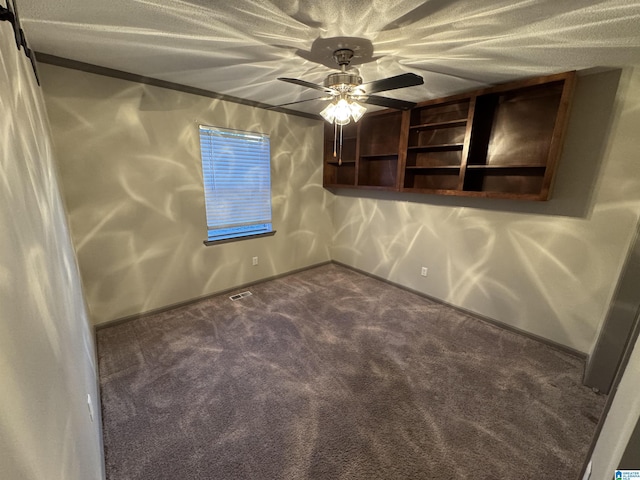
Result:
<point x="341" y="112"/>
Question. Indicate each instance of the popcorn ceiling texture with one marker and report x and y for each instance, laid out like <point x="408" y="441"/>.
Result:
<point x="329" y="374"/>
<point x="239" y="48"/>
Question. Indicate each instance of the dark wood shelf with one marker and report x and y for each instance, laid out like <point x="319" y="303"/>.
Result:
<point x="433" y="167"/>
<point x="378" y="155"/>
<point x="344" y="162"/>
<point x="432" y="191"/>
<point x="434" y="125"/>
<point x="434" y="148"/>
<point x="376" y="187"/>
<point x="499" y="167"/>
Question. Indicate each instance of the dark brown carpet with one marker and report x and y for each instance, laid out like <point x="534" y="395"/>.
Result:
<point x="329" y="374"/>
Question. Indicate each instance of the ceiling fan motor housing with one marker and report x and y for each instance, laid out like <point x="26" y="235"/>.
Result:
<point x="343" y="81"/>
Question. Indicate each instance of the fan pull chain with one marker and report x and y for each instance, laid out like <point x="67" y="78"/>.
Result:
<point x="335" y="139"/>
<point x="340" y="159"/>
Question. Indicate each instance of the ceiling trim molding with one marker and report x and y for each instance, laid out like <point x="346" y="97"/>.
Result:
<point x="132" y="77"/>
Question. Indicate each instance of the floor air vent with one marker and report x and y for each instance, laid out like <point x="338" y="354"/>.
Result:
<point x="238" y="296"/>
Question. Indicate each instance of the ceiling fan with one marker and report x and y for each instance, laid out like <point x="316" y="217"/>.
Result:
<point x="344" y="89"/>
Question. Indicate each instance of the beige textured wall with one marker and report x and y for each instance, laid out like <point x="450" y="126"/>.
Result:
<point x="47" y="364"/>
<point x="132" y="183"/>
<point x="548" y="268"/>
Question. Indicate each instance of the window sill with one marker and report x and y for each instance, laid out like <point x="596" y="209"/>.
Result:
<point x="209" y="243"/>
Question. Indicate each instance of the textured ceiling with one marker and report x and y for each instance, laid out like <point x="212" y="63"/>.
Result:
<point x="240" y="47"/>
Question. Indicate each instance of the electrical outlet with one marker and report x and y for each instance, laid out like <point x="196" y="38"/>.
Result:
<point x="423" y="272"/>
<point x="90" y="405"/>
<point x="255" y="261"/>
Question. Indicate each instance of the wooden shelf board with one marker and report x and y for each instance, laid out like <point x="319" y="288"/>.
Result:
<point x="378" y="156"/>
<point x="500" y="167"/>
<point x="435" y="191"/>
<point x="443" y="146"/>
<point x="474" y="193"/>
<point x="433" y="167"/>
<point x="339" y="185"/>
<point x="344" y="162"/>
<point x="502" y="195"/>
<point x="376" y="187"/>
<point x="434" y="125"/>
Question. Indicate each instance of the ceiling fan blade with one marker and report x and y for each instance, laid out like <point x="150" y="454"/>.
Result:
<point x="299" y="101"/>
<point x="391" y="83"/>
<point x="388" y="102"/>
<point x="303" y="83"/>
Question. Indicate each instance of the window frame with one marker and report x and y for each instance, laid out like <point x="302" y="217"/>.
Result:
<point x="225" y="167"/>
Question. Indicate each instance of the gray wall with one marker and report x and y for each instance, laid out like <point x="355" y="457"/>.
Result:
<point x="617" y="329"/>
<point x="620" y="421"/>
<point x="547" y="268"/>
<point x="132" y="183"/>
<point x="47" y="364"/>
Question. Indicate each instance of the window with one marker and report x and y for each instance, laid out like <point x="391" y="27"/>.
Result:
<point x="236" y="168"/>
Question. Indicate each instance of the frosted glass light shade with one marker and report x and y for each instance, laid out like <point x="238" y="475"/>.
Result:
<point x="328" y="112"/>
<point x="357" y="111"/>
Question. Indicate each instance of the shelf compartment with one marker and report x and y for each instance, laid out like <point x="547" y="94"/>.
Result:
<point x="434" y="158"/>
<point x="378" y="170"/>
<point x="455" y="111"/>
<point x="437" y="136"/>
<point x="348" y="152"/>
<point x="380" y="133"/>
<point x="344" y="174"/>
<point x="519" y="124"/>
<point x="511" y="180"/>
<point x="340" y="175"/>
<point x="443" y="178"/>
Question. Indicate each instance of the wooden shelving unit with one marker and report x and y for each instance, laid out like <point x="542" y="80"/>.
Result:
<point x="501" y="142"/>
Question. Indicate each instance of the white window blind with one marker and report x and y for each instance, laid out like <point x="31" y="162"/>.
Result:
<point x="236" y="167"/>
